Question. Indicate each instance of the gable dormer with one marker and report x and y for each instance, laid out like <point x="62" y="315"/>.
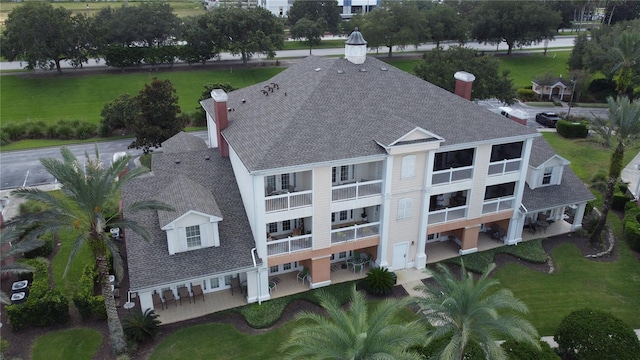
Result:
<point x="193" y="222"/>
<point x="547" y="173"/>
<point x="417" y="139"/>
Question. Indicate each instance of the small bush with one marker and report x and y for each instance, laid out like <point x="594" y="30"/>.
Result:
<point x="570" y="130"/>
<point x="631" y="226"/>
<point x="30" y="207"/>
<point x="85" y="130"/>
<point x="630" y="205"/>
<point x="16" y="131"/>
<point x="140" y="327"/>
<point x="43" y="251"/>
<point x="89" y="305"/>
<point x="593" y="335"/>
<point x="523" y="351"/>
<point x="4" y="345"/>
<point x="379" y="281"/>
<point x="601" y="89"/>
<point x="4" y="138"/>
<point x="36" y="130"/>
<point x="619" y="200"/>
<point x="65" y="131"/>
<point x="52" y="131"/>
<point x="433" y="350"/>
<point x="526" y="94"/>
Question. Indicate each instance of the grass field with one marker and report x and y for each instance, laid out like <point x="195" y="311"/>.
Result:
<point x="83" y="97"/>
<point x="529" y="66"/>
<point x="68" y="284"/>
<point x="77" y="344"/>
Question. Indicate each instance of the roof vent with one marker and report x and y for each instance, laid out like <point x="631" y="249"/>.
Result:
<point x="363" y="70"/>
<point x="340" y="71"/>
<point x="207" y="157"/>
<point x="244" y="101"/>
<point x="318" y="69"/>
<point x="177" y="161"/>
<point x="382" y="68"/>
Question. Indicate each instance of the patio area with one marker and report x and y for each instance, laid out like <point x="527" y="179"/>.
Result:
<point x="442" y="250"/>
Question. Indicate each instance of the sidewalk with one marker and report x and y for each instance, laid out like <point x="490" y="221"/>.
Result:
<point x="631" y="174"/>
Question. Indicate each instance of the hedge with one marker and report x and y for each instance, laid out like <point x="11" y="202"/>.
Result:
<point x="88" y="304"/>
<point x="525" y="94"/>
<point x="569" y="129"/>
<point x="619" y="200"/>
<point x="43" y="251"/>
<point x="44" y="306"/>
<point x="524" y="351"/>
<point x="632" y="226"/>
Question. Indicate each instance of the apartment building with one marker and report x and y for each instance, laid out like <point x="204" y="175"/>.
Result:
<point x="334" y="157"/>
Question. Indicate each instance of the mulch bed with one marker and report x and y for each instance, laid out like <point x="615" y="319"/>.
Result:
<point x="20" y="342"/>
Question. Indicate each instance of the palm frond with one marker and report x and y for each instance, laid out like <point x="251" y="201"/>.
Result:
<point x="77" y="245"/>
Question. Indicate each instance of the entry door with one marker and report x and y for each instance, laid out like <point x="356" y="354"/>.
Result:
<point x="400" y="256"/>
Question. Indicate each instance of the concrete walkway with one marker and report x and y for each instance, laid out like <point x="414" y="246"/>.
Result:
<point x="631" y="174"/>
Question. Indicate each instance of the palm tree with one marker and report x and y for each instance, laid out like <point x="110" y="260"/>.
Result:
<point x="89" y="204"/>
<point x="12" y="246"/>
<point x="355" y="333"/>
<point x="467" y="311"/>
<point x="624" y="120"/>
<point x="626" y="54"/>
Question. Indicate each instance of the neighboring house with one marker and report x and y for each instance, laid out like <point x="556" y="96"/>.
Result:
<point x="336" y="156"/>
<point x="552" y="88"/>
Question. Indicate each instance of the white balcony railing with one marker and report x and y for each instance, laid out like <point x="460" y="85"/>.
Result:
<point x="355" y="232"/>
<point x="452" y="175"/>
<point x="288" y="201"/>
<point x="289" y="245"/>
<point x="356" y="190"/>
<point x="504" y="166"/>
<point x="497" y="205"/>
<point x="448" y="214"/>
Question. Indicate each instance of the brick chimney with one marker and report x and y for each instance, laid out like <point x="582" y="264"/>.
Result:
<point x="464" y="82"/>
<point x="220" y="116"/>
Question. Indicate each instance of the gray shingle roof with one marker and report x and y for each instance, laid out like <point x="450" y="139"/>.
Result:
<point x="541" y="151"/>
<point x="183" y="195"/>
<point x="570" y="191"/>
<point x="150" y="263"/>
<point x="183" y="142"/>
<point x="329" y="109"/>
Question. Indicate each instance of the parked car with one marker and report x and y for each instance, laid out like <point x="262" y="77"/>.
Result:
<point x="547" y="119"/>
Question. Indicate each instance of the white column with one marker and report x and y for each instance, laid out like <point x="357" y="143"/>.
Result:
<point x="385" y="213"/>
<point x="258" y="285"/>
<point x="260" y="233"/>
<point x="516" y="225"/>
<point x="577" y="218"/>
<point x="421" y="251"/>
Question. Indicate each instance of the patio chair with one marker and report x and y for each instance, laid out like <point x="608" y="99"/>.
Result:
<point x="168" y="296"/>
<point x="235" y="284"/>
<point x="157" y="300"/>
<point x="197" y="290"/>
<point x="302" y="275"/>
<point x="358" y="268"/>
<point x="272" y="285"/>
<point x="183" y="292"/>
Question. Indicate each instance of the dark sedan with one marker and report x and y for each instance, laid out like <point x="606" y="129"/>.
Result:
<point x="547" y="119"/>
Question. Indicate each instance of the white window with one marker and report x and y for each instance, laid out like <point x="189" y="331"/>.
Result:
<point x="286" y="225"/>
<point x="341" y="174"/>
<point x="284" y="179"/>
<point x="227" y="280"/>
<point x="546" y="178"/>
<point x="286" y="266"/>
<point x="193" y="236"/>
<point x="271" y="183"/>
<point x="343" y="215"/>
<point x="273" y="269"/>
<point x="408" y="166"/>
<point x="344" y="173"/>
<point x="214" y="282"/>
<point x="273" y="228"/>
<point x="404" y="208"/>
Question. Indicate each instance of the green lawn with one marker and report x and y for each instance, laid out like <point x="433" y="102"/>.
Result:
<point x="577" y="283"/>
<point x="525" y="67"/>
<point x="83" y="97"/>
<point x="77" y="344"/>
<point x="302" y="45"/>
<point x="68" y="283"/>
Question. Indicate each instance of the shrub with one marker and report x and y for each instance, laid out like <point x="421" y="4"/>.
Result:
<point x="619" y="200"/>
<point x="379" y="281"/>
<point x="523" y="351"/>
<point x="88" y="304"/>
<point x="30" y="207"/>
<point x="4" y="345"/>
<point x="44" y="306"/>
<point x="65" y="131"/>
<point x="15" y="131"/>
<point x="632" y="227"/>
<point x="601" y="89"/>
<point x="433" y="349"/>
<point x="569" y="130"/>
<point x="140" y="327"/>
<point x="43" y="251"/>
<point x="526" y="94"/>
<point x="4" y="138"/>
<point x="630" y="205"/>
<point x="36" y="130"/>
<point x="85" y="130"/>
<point x="593" y="335"/>
<point x="52" y="131"/>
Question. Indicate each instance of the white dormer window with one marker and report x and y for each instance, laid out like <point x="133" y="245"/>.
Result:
<point x="408" y="166"/>
<point x="193" y="236"/>
<point x="546" y="177"/>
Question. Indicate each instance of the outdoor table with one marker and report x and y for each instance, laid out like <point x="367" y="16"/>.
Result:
<point x="543" y="224"/>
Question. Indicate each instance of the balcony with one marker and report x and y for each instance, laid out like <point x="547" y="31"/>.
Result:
<point x="289" y="245"/>
<point x="452" y="175"/>
<point x="504" y="166"/>
<point x="448" y="214"/>
<point x="284" y="200"/>
<point x="356" y="190"/>
<point x="355" y="232"/>
<point x="497" y="205"/>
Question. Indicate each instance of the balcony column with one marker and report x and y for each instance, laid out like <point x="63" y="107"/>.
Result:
<point x="469" y="240"/>
<point x="320" y="272"/>
<point x="516" y="225"/>
<point x="385" y="212"/>
<point x="420" y="262"/>
<point x="577" y="218"/>
<point x="256" y="219"/>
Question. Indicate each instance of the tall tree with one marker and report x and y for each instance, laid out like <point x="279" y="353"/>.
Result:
<point x="394" y="24"/>
<point x="316" y="10"/>
<point x="12" y="246"/>
<point x="88" y="205"/>
<point x="440" y="65"/>
<point x="624" y="120"/>
<point x="621" y="10"/>
<point x="40" y="35"/>
<point x="157" y="117"/>
<point x="250" y="31"/>
<point x="465" y="310"/>
<point x="118" y="114"/>
<point x="443" y="23"/>
<point x="626" y="55"/>
<point x="576" y="59"/>
<point x="204" y="39"/>
<point x="356" y="333"/>
<point x="309" y="30"/>
<point x="517" y="23"/>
